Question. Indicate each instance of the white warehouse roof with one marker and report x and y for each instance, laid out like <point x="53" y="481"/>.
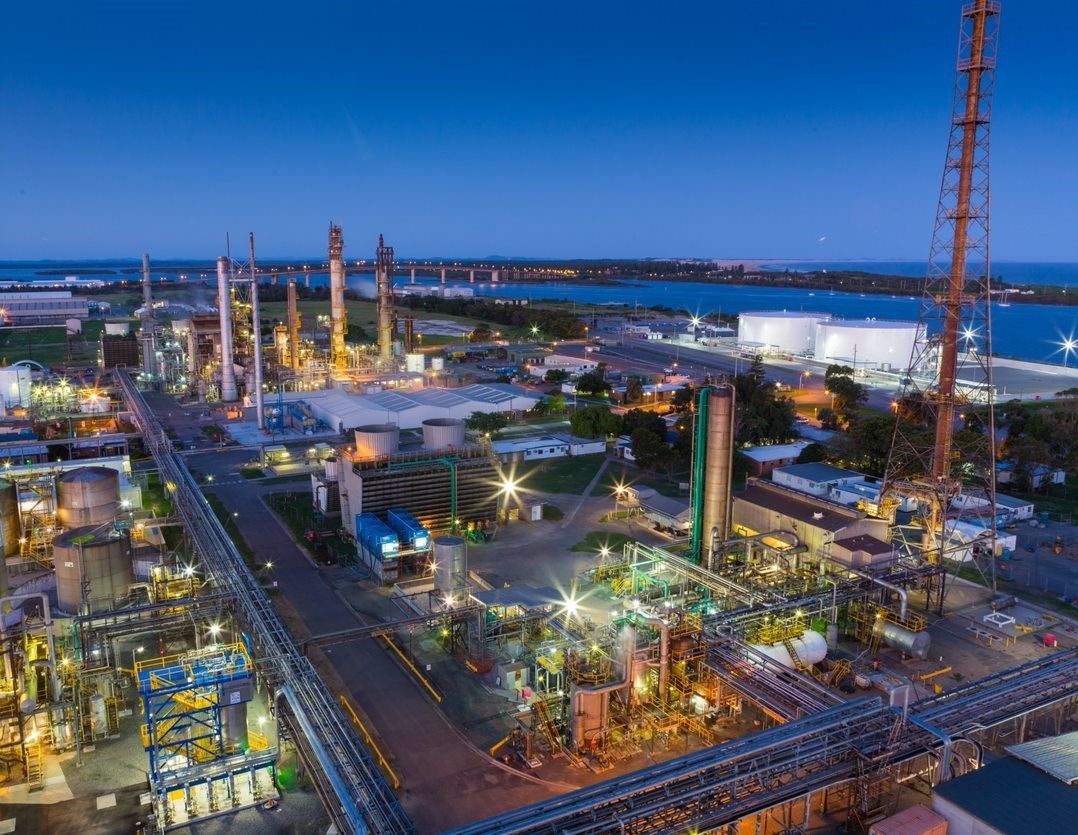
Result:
<point x="408" y="409"/>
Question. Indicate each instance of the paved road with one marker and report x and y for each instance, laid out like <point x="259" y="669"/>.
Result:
<point x="446" y="783"/>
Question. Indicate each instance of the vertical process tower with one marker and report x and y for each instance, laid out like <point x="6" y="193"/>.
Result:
<point x="384" y="280"/>
<point x="338" y="317"/>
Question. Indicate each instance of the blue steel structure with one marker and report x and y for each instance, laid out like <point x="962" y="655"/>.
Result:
<point x="182" y="699"/>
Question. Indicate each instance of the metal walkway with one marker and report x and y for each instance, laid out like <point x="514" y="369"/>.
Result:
<point x="721" y="784"/>
<point x="349" y="782"/>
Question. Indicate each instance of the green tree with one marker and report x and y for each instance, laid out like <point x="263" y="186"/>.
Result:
<point x="492" y="422"/>
<point x="637" y="418"/>
<point x="848" y="395"/>
<point x="812" y="453"/>
<point x="556" y="375"/>
<point x="650" y="450"/>
<point x="828" y="418"/>
<point x="594" y="422"/>
<point x="556" y="405"/>
<point x="866" y="446"/>
<point x="634" y="389"/>
<point x="682" y="400"/>
<point x="592" y="383"/>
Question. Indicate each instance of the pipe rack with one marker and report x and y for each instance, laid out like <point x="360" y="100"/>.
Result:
<point x="354" y="791"/>
<point x="722" y="784"/>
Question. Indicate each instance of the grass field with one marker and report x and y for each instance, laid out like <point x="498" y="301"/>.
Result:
<point x="562" y="475"/>
<point x="593" y="541"/>
<point x="50" y="345"/>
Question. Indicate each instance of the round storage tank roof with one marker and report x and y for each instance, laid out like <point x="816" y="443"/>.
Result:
<point x="882" y="324"/>
<point x="89" y="535"/>
<point x="784" y="314"/>
<point x="88" y="475"/>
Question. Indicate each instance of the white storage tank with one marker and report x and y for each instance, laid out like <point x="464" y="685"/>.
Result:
<point x="450" y="564"/>
<point x="415" y="363"/>
<point x="93" y="562"/>
<point x="331" y="468"/>
<point x="811" y="648"/>
<point x="117" y="328"/>
<point x="437" y="363"/>
<point x="870" y="343"/>
<point x="779" y="331"/>
<point x="377" y="440"/>
<point x="443" y="433"/>
<point x="87" y="496"/>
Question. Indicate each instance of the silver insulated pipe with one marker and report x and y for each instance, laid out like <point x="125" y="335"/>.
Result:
<point x="149" y="364"/>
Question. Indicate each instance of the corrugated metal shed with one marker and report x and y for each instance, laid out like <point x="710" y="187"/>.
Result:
<point x="1058" y="755"/>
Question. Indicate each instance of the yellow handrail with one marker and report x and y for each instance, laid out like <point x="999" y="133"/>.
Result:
<point x="369" y="740"/>
<point x="415" y="670"/>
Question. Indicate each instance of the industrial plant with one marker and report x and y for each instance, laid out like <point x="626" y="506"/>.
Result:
<point x="355" y="593"/>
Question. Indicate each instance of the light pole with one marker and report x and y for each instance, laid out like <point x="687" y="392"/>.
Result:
<point x="801" y="379"/>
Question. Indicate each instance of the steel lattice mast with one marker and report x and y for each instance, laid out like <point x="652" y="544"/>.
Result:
<point x="950" y="375"/>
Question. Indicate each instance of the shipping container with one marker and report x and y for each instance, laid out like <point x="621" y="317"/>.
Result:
<point x="411" y="531"/>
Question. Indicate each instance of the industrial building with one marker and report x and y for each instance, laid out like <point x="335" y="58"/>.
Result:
<point x="42" y="307"/>
<point x="764" y="459"/>
<point x="409" y="409"/>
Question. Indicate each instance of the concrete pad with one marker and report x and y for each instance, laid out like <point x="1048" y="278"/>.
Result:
<point x="106" y="801"/>
<point x="7" y="826"/>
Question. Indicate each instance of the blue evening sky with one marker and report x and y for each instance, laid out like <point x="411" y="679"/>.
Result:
<point x="546" y="128"/>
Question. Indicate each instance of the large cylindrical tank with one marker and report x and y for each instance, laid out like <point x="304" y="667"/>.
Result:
<point x="900" y="638"/>
<point x="870" y="343"/>
<point x="443" y="433"/>
<point x="450" y="564"/>
<point x="415" y="363"/>
<point x="95" y="560"/>
<point x="811" y="648"/>
<point x="377" y="440"/>
<point x="87" y="496"/>
<point x="786" y="331"/>
<point x="437" y="363"/>
<point x="718" y="466"/>
<point x="10" y="530"/>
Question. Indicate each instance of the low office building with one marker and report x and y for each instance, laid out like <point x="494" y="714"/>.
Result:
<point x="764" y="459"/>
<point x="545" y="447"/>
<point x="816" y="479"/>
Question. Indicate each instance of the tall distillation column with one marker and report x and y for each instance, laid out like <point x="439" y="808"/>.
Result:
<point x="384" y="277"/>
<point x="149" y="364"/>
<point x="256" y="335"/>
<point x="293" y="324"/>
<point x="338" y="316"/>
<point x="224" y="308"/>
<point x="718" y="467"/>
